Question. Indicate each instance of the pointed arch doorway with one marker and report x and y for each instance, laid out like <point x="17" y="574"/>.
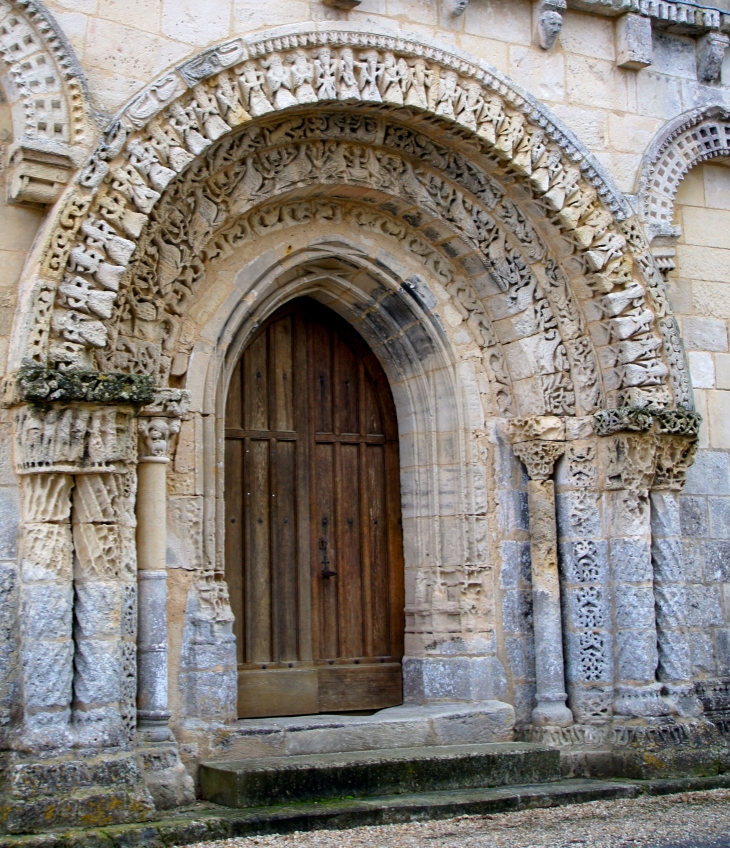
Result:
<point x="314" y="552"/>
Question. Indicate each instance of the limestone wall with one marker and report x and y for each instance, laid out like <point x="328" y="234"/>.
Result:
<point x="700" y="291"/>
<point x="479" y="599"/>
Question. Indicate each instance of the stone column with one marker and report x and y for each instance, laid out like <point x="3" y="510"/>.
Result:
<point x="152" y="709"/>
<point x="164" y="774"/>
<point x="675" y="453"/>
<point x="627" y="464"/>
<point x="539" y="456"/>
<point x="585" y="579"/>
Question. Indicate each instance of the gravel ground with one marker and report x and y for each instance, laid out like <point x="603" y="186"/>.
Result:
<point x="690" y="820"/>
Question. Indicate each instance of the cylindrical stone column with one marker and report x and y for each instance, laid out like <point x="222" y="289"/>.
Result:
<point x="674" y="456"/>
<point x="539" y="458"/>
<point x="153" y="714"/>
<point x="585" y="581"/>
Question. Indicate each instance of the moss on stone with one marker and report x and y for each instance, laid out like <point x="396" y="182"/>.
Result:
<point x="39" y="385"/>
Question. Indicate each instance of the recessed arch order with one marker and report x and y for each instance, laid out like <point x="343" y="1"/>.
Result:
<point x="430" y="147"/>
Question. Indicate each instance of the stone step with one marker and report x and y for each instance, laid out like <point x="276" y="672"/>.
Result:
<point x="358" y="774"/>
<point x="407" y="726"/>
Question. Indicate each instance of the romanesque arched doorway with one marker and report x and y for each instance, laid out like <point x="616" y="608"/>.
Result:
<point x="314" y="556"/>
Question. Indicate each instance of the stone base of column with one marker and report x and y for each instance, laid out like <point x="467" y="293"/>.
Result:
<point x="552" y="711"/>
<point x="166" y="778"/>
<point x="72" y="791"/>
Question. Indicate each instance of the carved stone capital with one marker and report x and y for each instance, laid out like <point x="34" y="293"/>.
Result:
<point x="629" y="461"/>
<point x="78" y="439"/>
<point x="539" y="457"/>
<point x="156" y="438"/>
<point x="674" y="456"/>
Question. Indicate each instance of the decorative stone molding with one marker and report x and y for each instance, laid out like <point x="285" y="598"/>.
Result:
<point x="687" y="141"/>
<point x="182" y="116"/>
<point x="550" y="22"/>
<point x="52" y="118"/>
<point x="680" y="421"/>
<point x="346" y="5"/>
<point x="687" y="18"/>
<point x="40" y="386"/>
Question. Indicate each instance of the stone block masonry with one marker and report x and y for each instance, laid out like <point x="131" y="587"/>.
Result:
<point x="521" y="209"/>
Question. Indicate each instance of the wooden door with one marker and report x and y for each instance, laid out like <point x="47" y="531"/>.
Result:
<point x="313" y="535"/>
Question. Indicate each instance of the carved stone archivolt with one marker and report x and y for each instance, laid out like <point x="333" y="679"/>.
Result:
<point x="52" y="119"/>
<point x="210" y="111"/>
<point x="687" y="141"/>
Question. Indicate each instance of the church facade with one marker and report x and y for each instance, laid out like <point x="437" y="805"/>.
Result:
<point x="365" y="360"/>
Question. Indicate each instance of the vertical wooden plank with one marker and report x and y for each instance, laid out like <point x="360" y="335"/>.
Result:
<point x="347" y="405"/>
<point x="377" y="530"/>
<point x="282" y="414"/>
<point x="373" y="416"/>
<point x="395" y="549"/>
<point x="256" y="408"/>
<point x="321" y="386"/>
<point x="302" y="424"/>
<point x="284" y="553"/>
<point x="258" y="563"/>
<point x="324" y="528"/>
<point x="349" y="563"/>
<point x="369" y="612"/>
<point x="234" y="540"/>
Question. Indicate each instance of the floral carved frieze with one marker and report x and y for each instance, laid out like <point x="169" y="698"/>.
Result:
<point x="211" y="111"/>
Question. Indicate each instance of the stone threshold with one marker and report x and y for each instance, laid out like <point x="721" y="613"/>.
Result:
<point x="206" y="822"/>
<point x="407" y="726"/>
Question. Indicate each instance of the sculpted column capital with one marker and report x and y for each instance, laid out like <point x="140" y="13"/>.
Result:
<point x="674" y="456"/>
<point x="539" y="457"/>
<point x="155" y="438"/>
<point x="538" y="442"/>
<point x="159" y="424"/>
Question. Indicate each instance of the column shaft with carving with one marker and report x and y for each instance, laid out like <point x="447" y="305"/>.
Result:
<point x="585" y="579"/>
<point x="105" y="592"/>
<point x="539" y="456"/>
<point x="675" y="454"/>
<point x="627" y="463"/>
<point x="46" y="609"/>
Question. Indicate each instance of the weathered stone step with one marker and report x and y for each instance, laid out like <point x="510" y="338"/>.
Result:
<point x="357" y="774"/>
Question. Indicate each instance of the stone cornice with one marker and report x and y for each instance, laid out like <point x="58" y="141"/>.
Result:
<point x="46" y="386"/>
<point x="678" y="422"/>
